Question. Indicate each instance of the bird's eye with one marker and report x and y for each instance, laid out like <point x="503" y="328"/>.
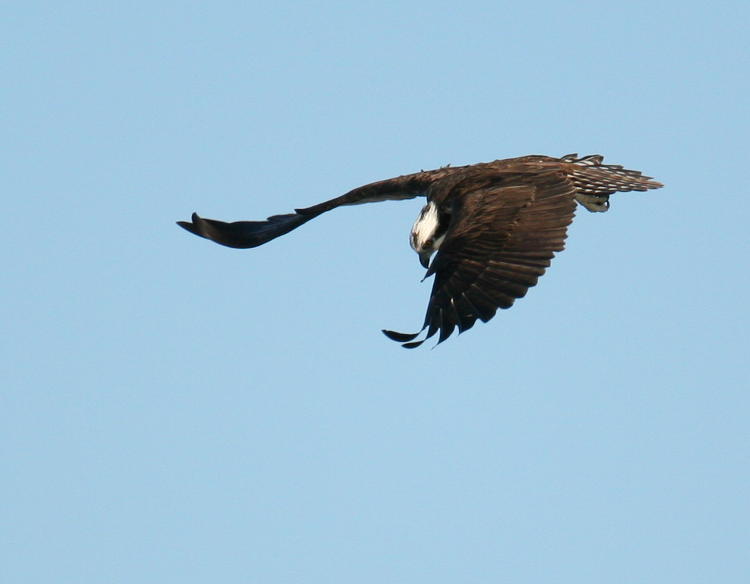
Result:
<point x="429" y="242"/>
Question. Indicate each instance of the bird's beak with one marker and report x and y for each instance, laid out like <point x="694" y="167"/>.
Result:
<point x="424" y="259"/>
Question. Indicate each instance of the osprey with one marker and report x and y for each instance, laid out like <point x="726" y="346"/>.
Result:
<point x="495" y="227"/>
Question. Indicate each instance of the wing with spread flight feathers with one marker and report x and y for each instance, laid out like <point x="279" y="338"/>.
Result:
<point x="501" y="239"/>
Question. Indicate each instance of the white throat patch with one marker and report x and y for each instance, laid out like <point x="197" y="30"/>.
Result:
<point x="424" y="229"/>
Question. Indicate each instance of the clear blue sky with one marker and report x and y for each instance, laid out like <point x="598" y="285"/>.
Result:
<point x="176" y="411"/>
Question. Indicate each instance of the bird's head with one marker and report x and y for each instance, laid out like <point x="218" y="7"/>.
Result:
<point x="428" y="232"/>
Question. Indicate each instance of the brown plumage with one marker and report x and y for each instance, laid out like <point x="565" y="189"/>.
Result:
<point x="495" y="227"/>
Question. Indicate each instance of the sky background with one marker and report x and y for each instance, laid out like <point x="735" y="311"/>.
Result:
<point x="176" y="411"/>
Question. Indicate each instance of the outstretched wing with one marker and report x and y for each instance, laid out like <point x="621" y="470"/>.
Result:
<point x="500" y="242"/>
<point x="245" y="234"/>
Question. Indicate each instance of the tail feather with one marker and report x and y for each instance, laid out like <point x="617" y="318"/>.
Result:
<point x="595" y="181"/>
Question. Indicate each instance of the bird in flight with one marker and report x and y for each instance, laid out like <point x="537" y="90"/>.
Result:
<point x="492" y="227"/>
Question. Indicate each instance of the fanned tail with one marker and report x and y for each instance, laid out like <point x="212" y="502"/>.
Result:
<point x="595" y="181"/>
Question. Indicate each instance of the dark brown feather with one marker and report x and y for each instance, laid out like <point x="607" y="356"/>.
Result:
<point x="502" y="238"/>
<point x="246" y="234"/>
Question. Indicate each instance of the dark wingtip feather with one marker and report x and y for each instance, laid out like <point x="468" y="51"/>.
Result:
<point x="413" y="345"/>
<point x="244" y="234"/>
<point x="399" y="337"/>
<point x="190" y="226"/>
